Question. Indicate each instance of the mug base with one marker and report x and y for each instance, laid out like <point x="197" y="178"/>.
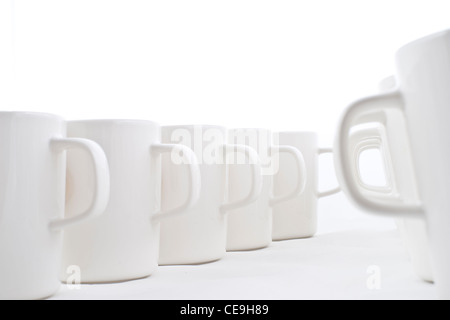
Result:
<point x="247" y="248"/>
<point x="293" y="237"/>
<point x="110" y="280"/>
<point x="191" y="262"/>
<point x="30" y="295"/>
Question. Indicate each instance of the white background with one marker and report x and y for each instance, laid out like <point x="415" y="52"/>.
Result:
<point x="280" y="64"/>
<point x="284" y="64"/>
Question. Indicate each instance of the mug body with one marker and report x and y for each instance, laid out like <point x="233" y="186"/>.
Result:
<point x="296" y="218"/>
<point x="423" y="75"/>
<point x="123" y="242"/>
<point x="415" y="238"/>
<point x="413" y="231"/>
<point x="199" y="235"/>
<point x="250" y="227"/>
<point x="32" y="184"/>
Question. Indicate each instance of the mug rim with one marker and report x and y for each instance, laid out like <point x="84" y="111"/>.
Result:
<point x="113" y="121"/>
<point x="423" y="40"/>
<point x="297" y="133"/>
<point x="34" y="114"/>
<point x="192" y="126"/>
<point x="267" y="130"/>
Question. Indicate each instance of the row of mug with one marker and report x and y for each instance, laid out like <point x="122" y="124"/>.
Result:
<point x="114" y="171"/>
<point x="131" y="195"/>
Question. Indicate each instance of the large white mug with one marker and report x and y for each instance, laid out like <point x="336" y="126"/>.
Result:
<point x="422" y="98"/>
<point x="412" y="230"/>
<point x="123" y="243"/>
<point x="297" y="218"/>
<point x="250" y="227"/>
<point x="32" y="200"/>
<point x="200" y="236"/>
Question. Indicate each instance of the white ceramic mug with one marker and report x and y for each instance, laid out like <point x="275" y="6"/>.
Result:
<point x="412" y="230"/>
<point x="123" y="243"/>
<point x="423" y="75"/>
<point x="32" y="199"/>
<point x="250" y="227"/>
<point x="200" y="236"/>
<point x="297" y="218"/>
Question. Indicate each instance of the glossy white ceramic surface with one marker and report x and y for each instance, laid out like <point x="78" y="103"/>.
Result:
<point x="413" y="231"/>
<point x="200" y="235"/>
<point x="123" y="243"/>
<point x="297" y="218"/>
<point x="423" y="75"/>
<point x="250" y="227"/>
<point x="32" y="197"/>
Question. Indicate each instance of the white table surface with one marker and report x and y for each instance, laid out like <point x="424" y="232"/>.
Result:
<point x="332" y="265"/>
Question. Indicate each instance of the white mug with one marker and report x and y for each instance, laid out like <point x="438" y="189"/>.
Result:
<point x="297" y="218"/>
<point x="32" y="199"/>
<point x="200" y="236"/>
<point x="250" y="227"/>
<point x="423" y="76"/>
<point x="412" y="230"/>
<point x="123" y="243"/>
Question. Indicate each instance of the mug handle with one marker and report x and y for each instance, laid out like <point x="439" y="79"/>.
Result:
<point x="321" y="194"/>
<point x="194" y="190"/>
<point x="370" y="109"/>
<point x="257" y="181"/>
<point x="101" y="179"/>
<point x="367" y="139"/>
<point x="301" y="171"/>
